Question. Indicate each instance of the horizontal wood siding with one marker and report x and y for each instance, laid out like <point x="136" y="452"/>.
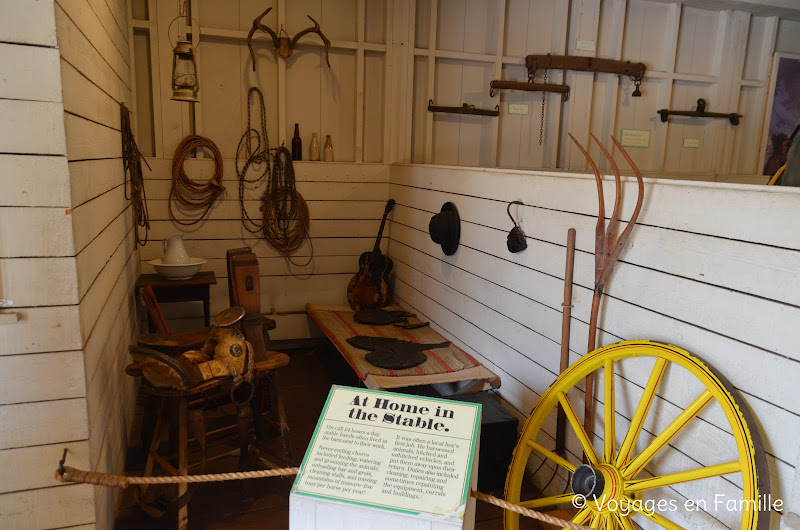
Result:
<point x="42" y="382"/>
<point x="345" y="202"/>
<point x="95" y="72"/>
<point x="708" y="268"/>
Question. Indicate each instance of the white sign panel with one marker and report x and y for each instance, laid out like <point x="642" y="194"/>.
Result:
<point x="392" y="451"/>
<point x="635" y="138"/>
<point x="518" y="108"/>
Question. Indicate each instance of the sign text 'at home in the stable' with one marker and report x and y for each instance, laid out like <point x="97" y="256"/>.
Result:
<point x="403" y="414"/>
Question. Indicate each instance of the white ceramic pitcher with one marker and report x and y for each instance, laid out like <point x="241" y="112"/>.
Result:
<point x="174" y="253"/>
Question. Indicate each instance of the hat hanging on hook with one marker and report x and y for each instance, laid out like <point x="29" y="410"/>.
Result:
<point x="517" y="242"/>
<point x="445" y="228"/>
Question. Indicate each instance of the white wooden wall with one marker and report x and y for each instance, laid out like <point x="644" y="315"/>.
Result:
<point x="712" y="268"/>
<point x="345" y="203"/>
<point x="690" y="52"/>
<point x="94" y="40"/>
<point x="346" y="199"/>
<point x="43" y="397"/>
<point x="68" y="258"/>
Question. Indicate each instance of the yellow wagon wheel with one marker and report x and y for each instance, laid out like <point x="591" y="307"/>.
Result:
<point x="612" y="486"/>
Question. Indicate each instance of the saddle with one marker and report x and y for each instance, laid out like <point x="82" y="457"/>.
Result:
<point x="225" y="353"/>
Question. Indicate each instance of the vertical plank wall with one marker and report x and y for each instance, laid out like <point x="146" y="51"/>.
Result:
<point x="712" y="268"/>
<point x="42" y="390"/>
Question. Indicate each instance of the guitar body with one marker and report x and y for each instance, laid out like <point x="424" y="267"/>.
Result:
<point x="370" y="287"/>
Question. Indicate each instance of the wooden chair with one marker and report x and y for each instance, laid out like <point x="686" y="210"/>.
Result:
<point x="244" y="290"/>
<point x="164" y="340"/>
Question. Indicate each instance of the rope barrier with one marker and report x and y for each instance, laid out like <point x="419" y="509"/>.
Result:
<point x="527" y="512"/>
<point x="134" y="181"/>
<point x="69" y="474"/>
<point x="190" y="193"/>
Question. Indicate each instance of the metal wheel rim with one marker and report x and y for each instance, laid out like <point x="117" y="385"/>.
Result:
<point x="751" y="456"/>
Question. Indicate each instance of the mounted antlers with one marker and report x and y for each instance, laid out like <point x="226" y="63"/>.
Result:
<point x="283" y="44"/>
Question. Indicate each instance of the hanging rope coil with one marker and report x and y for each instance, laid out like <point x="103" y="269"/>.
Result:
<point x="134" y="180"/>
<point x="187" y="192"/>
<point x="256" y="157"/>
<point x="285" y="213"/>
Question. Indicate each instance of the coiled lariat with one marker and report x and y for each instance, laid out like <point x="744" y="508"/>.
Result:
<point x="286" y="218"/>
<point x="190" y="193"/>
<point x="256" y="157"/>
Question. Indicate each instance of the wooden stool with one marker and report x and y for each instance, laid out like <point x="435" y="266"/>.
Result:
<point x="165" y="398"/>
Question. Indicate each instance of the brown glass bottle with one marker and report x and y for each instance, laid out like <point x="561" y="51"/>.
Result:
<point x="297" y="144"/>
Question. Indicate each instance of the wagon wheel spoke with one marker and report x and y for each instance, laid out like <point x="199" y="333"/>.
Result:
<point x="546" y="502"/>
<point x="583" y="515"/>
<point x="641" y="412"/>
<point x="622" y="460"/>
<point x="547" y="453"/>
<point x="624" y="521"/>
<point x="660" y="441"/>
<point x="684" y="476"/>
<point x="608" y="411"/>
<point x="577" y="426"/>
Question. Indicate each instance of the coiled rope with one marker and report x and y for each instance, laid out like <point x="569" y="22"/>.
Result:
<point x="134" y="181"/>
<point x="286" y="218"/>
<point x="72" y="475"/>
<point x="187" y="192"/>
<point x="255" y="157"/>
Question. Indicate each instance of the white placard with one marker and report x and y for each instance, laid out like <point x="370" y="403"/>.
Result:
<point x="392" y="451"/>
<point x="585" y="46"/>
<point x="519" y="108"/>
<point x="635" y="138"/>
<point x="691" y="143"/>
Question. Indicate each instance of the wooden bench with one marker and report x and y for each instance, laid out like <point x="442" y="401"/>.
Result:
<point x="444" y="365"/>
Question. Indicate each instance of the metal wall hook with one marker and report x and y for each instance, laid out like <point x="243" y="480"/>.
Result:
<point x="508" y="210"/>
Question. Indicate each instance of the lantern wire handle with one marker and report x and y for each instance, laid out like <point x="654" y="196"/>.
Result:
<point x="199" y="31"/>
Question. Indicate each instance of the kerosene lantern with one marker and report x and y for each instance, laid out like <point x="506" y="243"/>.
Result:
<point x="184" y="72"/>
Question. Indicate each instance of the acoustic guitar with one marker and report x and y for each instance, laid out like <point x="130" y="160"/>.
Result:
<point x="369" y="287"/>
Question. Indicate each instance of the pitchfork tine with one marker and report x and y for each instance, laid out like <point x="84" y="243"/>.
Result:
<point x="600" y="229"/>
<point x="612" y="225"/>
<point x="623" y="238"/>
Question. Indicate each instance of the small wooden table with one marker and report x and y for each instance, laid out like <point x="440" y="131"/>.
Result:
<point x="444" y="365"/>
<point x="195" y="289"/>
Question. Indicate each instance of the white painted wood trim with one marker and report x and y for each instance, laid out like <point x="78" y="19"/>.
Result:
<point x="670" y="56"/>
<point x="360" y="58"/>
<point x="431" y="80"/>
<point x="498" y="72"/>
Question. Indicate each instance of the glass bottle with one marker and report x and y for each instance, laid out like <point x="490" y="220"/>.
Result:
<point x="327" y="153"/>
<point x="297" y="144"/>
<point x="313" y="150"/>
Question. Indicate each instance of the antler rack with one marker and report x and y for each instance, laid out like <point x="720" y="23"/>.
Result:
<point x="464" y="109"/>
<point x="528" y="86"/>
<point x="588" y="64"/>
<point x="699" y="113"/>
<point x="284" y="45"/>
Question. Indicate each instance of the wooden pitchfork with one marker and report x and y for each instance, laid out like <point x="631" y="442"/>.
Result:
<point x="606" y="252"/>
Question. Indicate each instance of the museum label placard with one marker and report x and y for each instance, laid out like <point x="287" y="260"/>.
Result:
<point x="392" y="451"/>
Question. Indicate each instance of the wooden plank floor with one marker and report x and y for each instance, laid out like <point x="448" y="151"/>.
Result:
<point x="264" y="503"/>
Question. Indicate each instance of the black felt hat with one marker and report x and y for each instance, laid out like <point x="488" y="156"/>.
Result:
<point x="445" y="228"/>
